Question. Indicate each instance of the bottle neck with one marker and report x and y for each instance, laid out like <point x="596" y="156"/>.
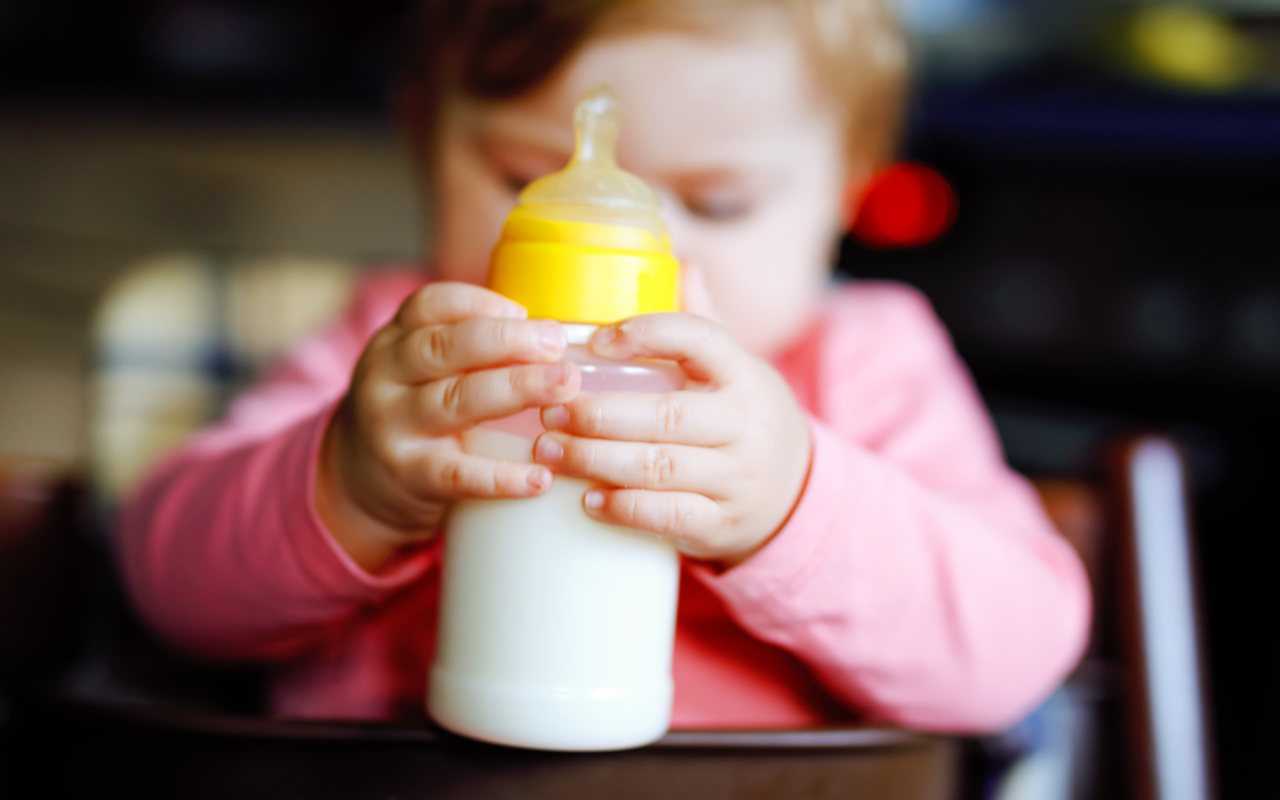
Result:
<point x="601" y="374"/>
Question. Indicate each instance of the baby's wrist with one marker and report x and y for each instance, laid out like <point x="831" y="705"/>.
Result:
<point x="790" y="493"/>
<point x="368" y="541"/>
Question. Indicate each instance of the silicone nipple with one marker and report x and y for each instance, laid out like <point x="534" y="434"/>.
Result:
<point x="587" y="244"/>
<point x="592" y="188"/>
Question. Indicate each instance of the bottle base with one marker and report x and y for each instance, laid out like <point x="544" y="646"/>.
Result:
<point x="563" y="718"/>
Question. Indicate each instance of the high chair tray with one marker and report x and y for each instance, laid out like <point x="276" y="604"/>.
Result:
<point x="77" y="744"/>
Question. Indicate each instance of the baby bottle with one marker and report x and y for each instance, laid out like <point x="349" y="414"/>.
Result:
<point x="556" y="630"/>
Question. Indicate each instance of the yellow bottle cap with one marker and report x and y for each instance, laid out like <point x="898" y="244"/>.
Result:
<point x="587" y="244"/>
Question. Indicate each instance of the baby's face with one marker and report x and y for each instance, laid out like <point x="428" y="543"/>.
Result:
<point x="730" y="132"/>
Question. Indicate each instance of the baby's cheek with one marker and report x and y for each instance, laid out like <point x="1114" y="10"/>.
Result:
<point x="765" y="291"/>
<point x="765" y="325"/>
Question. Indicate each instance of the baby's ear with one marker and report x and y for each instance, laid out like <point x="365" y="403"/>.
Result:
<point x="694" y="296"/>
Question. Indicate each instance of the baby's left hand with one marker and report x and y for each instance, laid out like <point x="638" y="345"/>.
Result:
<point x="716" y="467"/>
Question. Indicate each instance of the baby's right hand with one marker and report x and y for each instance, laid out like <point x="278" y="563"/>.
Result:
<point x="392" y="459"/>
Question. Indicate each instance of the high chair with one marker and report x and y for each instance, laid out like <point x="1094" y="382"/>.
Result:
<point x="96" y="705"/>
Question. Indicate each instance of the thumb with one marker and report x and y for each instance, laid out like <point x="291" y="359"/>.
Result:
<point x="694" y="296"/>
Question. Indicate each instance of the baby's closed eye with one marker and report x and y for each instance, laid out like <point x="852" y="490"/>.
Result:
<point x="719" y="204"/>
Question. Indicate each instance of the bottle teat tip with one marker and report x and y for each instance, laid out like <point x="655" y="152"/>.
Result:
<point x="595" y="125"/>
<point x="592" y="185"/>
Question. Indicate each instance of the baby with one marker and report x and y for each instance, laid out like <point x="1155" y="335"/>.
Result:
<point x="854" y="544"/>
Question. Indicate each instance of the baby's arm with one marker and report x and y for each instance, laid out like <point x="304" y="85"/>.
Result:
<point x="220" y="548"/>
<point x="267" y="532"/>
<point x="911" y="569"/>
<point x="918" y="576"/>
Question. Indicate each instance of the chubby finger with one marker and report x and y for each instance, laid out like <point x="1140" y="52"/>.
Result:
<point x="450" y="301"/>
<point x="456" y="474"/>
<point x="703" y="348"/>
<point x="435" y="351"/>
<point x="694" y="418"/>
<point x="684" y="517"/>
<point x="461" y="401"/>
<point x="633" y="465"/>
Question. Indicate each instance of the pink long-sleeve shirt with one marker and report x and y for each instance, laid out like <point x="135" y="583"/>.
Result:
<point x="917" y="580"/>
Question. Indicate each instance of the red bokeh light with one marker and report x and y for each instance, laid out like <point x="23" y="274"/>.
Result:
<point x="905" y="205"/>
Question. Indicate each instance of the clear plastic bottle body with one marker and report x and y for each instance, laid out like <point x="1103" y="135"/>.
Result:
<point x="555" y="631"/>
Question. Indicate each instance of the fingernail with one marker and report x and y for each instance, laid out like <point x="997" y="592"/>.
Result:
<point x="594" y="500"/>
<point x="555" y="417"/>
<point x="539" y="478"/>
<point x="561" y="373"/>
<point x="548" y="450"/>
<point x="515" y="312"/>
<point x="604" y="337"/>
<point x="551" y="337"/>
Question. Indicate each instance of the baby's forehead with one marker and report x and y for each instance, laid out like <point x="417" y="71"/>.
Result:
<point x="715" y="95"/>
<point x="844" y="58"/>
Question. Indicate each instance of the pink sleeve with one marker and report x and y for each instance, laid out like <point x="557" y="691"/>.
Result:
<point x="917" y="576"/>
<point x="221" y="547"/>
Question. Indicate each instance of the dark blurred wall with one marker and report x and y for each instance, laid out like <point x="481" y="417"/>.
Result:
<point x="229" y="55"/>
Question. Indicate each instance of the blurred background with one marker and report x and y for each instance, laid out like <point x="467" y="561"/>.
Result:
<point x="1110" y="261"/>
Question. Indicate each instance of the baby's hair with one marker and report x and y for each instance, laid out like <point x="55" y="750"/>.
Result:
<point x="500" y="49"/>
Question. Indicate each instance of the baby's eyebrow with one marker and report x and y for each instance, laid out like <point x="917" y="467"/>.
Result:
<point x="524" y="133"/>
<point x="512" y="154"/>
<point x="709" y="175"/>
<point x="731" y="176"/>
<point x="496" y="146"/>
